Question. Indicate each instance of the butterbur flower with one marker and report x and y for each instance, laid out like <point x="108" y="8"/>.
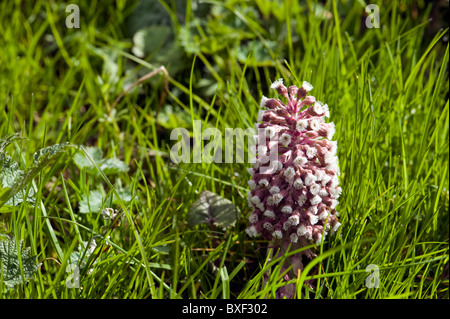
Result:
<point x="294" y="204"/>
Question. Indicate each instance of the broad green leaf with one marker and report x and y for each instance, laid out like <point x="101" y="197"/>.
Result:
<point x="113" y="166"/>
<point x="110" y="67"/>
<point x="9" y="175"/>
<point x="92" y="203"/>
<point x="150" y="12"/>
<point x="47" y="154"/>
<point x="5" y="141"/>
<point x="124" y="194"/>
<point x="10" y="264"/>
<point x="81" y="257"/>
<point x="17" y="180"/>
<point x="170" y="118"/>
<point x="149" y="40"/>
<point x="82" y="161"/>
<point x="108" y="166"/>
<point x="5" y="208"/>
<point x="211" y="208"/>
<point x="260" y="55"/>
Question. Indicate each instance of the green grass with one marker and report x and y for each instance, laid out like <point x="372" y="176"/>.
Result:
<point x="387" y="89"/>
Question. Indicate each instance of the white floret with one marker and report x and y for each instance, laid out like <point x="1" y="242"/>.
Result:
<point x="256" y="200"/>
<point x="326" y="179"/>
<point x="293" y="237"/>
<point x="261" y="207"/>
<point x="334" y="203"/>
<point x="289" y="173"/>
<point x="319" y="174"/>
<point x="316" y="200"/>
<point x="330" y="159"/>
<point x="274" y="190"/>
<point x="278" y="165"/>
<point x="256" y="164"/>
<point x="253" y="218"/>
<point x="260" y="115"/>
<point x="286" y="209"/>
<point x="262" y="150"/>
<point x="301" y="231"/>
<point x="326" y="111"/>
<point x="300" y="161"/>
<point x="314" y="189"/>
<point x="252" y="232"/>
<point x="277" y="198"/>
<point x="335" y="192"/>
<point x="335" y="227"/>
<point x="310" y="179"/>
<point x="308" y="234"/>
<point x="270" y="201"/>
<point x="331" y="130"/>
<point x="313" y="219"/>
<point x="269" y="214"/>
<point x="319" y="239"/>
<point x="318" y="109"/>
<point x="263" y="182"/>
<point x="314" y="124"/>
<point x="277" y="234"/>
<point x="298" y="184"/>
<point x="311" y="152"/>
<point x="323" y="193"/>
<point x="334" y="181"/>
<point x="324" y="215"/>
<point x="285" y="139"/>
<point x="269" y="131"/>
<point x="307" y="86"/>
<point x="301" y="200"/>
<point x="333" y="149"/>
<point x="263" y="102"/>
<point x="294" y="220"/>
<point x="302" y="125"/>
<point x="277" y="84"/>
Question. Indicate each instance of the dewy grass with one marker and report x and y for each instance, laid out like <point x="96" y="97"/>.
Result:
<point x="387" y="91"/>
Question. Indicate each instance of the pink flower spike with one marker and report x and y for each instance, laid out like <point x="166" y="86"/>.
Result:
<point x="293" y="204"/>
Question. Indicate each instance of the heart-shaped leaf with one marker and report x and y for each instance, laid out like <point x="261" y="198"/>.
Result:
<point x="92" y="203"/>
<point x="109" y="166"/>
<point x="12" y="267"/>
<point x="212" y="209"/>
